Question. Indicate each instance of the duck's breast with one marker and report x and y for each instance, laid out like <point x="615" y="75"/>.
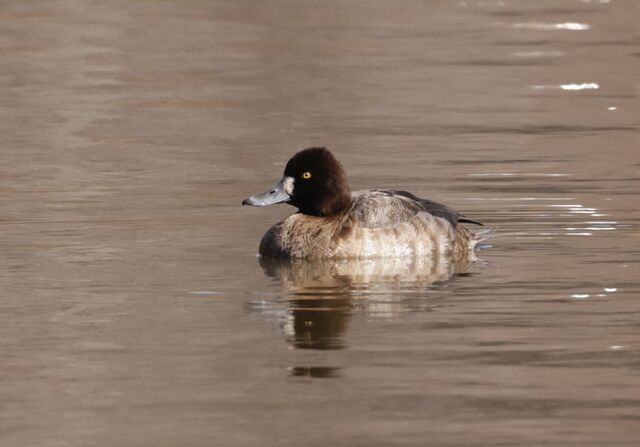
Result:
<point x="301" y="236"/>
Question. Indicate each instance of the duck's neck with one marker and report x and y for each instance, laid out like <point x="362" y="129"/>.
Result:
<point x="337" y="204"/>
<point x="332" y="204"/>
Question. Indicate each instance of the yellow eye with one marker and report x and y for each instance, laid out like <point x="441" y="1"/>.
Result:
<point x="306" y="175"/>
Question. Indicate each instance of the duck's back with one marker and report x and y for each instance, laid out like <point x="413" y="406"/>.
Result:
<point x="379" y="223"/>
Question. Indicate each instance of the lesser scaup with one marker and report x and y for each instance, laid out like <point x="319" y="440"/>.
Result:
<point x="334" y="222"/>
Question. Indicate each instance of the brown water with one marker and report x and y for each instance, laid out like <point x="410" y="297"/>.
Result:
<point x="134" y="310"/>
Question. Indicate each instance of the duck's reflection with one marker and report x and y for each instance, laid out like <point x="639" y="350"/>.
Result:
<point x="323" y="372"/>
<point x="323" y="294"/>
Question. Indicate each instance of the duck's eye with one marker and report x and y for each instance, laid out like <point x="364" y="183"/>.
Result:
<point x="306" y="175"/>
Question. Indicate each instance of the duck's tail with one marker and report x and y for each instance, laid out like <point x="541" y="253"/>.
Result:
<point x="479" y="239"/>
<point x="468" y="242"/>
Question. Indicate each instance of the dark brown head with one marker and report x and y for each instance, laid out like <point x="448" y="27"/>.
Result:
<point x="314" y="182"/>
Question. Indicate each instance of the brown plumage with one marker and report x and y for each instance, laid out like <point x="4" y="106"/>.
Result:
<point x="378" y="223"/>
<point x="334" y="223"/>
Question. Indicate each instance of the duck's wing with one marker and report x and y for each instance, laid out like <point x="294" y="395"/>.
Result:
<point x="436" y="209"/>
<point x="382" y="208"/>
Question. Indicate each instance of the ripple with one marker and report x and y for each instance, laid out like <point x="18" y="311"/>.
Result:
<point x="512" y="174"/>
<point x="571" y="86"/>
<point x="571" y="26"/>
<point x="533" y="54"/>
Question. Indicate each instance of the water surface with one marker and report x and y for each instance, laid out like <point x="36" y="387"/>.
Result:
<point x="134" y="310"/>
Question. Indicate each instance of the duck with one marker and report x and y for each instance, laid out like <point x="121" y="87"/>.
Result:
<point x="334" y="222"/>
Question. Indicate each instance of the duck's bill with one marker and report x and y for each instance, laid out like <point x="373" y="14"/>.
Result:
<point x="276" y="194"/>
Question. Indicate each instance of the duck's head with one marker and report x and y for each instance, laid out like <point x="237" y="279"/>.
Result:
<point x="314" y="182"/>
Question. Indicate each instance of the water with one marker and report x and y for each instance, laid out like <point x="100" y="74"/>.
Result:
<point x="134" y="310"/>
